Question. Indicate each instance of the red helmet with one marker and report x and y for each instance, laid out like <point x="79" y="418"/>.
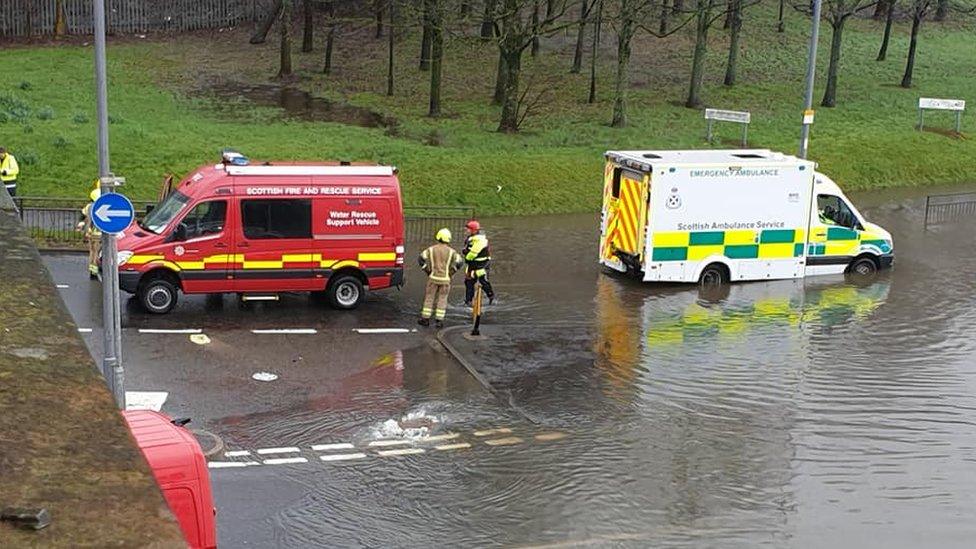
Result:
<point x="473" y="226"/>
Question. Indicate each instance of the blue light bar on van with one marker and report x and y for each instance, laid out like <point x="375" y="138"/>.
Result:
<point x="234" y="158"/>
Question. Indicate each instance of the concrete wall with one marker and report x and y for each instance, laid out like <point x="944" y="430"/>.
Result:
<point x="63" y="444"/>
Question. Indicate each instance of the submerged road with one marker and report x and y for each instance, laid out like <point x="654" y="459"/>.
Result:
<point x="825" y="412"/>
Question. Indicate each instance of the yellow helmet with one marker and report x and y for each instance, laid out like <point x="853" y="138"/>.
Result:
<point x="444" y="235"/>
<point x="94" y="195"/>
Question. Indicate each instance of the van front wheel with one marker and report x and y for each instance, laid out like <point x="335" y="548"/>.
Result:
<point x="863" y="266"/>
<point x="158" y="296"/>
<point x="715" y="274"/>
<point x="346" y="292"/>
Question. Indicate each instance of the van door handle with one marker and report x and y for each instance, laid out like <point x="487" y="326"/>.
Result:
<point x="820" y="234"/>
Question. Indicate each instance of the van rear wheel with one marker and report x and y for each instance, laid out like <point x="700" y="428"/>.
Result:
<point x="158" y="296"/>
<point x="863" y="266"/>
<point x="346" y="292"/>
<point x="714" y="275"/>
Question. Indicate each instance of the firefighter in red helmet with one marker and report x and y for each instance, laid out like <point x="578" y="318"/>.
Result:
<point x="477" y="256"/>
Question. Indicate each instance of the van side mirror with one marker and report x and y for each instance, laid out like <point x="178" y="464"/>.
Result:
<point x="179" y="233"/>
<point x="150" y="208"/>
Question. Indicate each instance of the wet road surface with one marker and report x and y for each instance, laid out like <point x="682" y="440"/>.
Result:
<point x="824" y="412"/>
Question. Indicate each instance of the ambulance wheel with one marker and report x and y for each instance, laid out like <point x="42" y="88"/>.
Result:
<point x="863" y="266"/>
<point x="158" y="296"/>
<point x="715" y="274"/>
<point x="346" y="292"/>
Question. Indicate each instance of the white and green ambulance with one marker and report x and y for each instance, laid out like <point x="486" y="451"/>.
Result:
<point x="715" y="216"/>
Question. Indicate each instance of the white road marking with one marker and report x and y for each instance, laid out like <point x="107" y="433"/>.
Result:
<point x="489" y="432"/>
<point x="335" y="446"/>
<point x="382" y="330"/>
<point x="545" y="437"/>
<point x="264" y="376"/>
<point x="229" y="464"/>
<point x="286" y="331"/>
<point x="397" y="442"/>
<point x="457" y="446"/>
<point x="237" y="453"/>
<point x="445" y="436"/>
<point x="285" y="461"/>
<point x="503" y="441"/>
<point x="62" y="286"/>
<point x="400" y="452"/>
<point x="342" y="457"/>
<point x="170" y="331"/>
<point x="145" y="400"/>
<point x="283" y="450"/>
<point x="84" y="330"/>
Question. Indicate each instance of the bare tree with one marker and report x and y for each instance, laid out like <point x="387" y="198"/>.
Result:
<point x="309" y="21"/>
<point x="330" y="33"/>
<point x="735" y="30"/>
<point x="284" y="70"/>
<point x="435" y="16"/>
<point x="488" y="20"/>
<point x="425" y="38"/>
<point x="703" y="21"/>
<point x="781" y="25"/>
<point x="941" y="10"/>
<point x="920" y="9"/>
<point x="379" y="8"/>
<point x="535" y="23"/>
<point x="392" y="40"/>
<point x="629" y="17"/>
<point x="586" y="6"/>
<point x="595" y="50"/>
<point x="261" y="33"/>
<point x="889" y="17"/>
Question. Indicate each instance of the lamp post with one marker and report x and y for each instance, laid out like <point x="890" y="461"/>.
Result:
<point x="811" y="70"/>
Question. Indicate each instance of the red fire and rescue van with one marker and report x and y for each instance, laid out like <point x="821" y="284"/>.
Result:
<point x="257" y="230"/>
<point x="177" y="463"/>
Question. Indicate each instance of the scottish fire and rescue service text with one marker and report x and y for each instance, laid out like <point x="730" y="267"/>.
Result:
<point x="312" y="191"/>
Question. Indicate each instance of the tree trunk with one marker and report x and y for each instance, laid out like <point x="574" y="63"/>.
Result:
<point x="679" y="6"/>
<point x="734" y="35"/>
<point x="425" y="39"/>
<point x="580" y="36"/>
<point x="550" y="7"/>
<point x="836" y="39"/>
<point x="595" y="49"/>
<point x="502" y="72"/>
<point x="379" y="18"/>
<point x="941" y="10"/>
<point x="436" y="56"/>
<point x="880" y="9"/>
<point x="284" y="69"/>
<point x="510" y="104"/>
<point x="729" y="6"/>
<point x="488" y="20"/>
<point x="392" y="40"/>
<point x="329" y="36"/>
<point x="781" y="26"/>
<point x="889" y="18"/>
<point x="60" y="20"/>
<point x="624" y="35"/>
<point x="702" y="21"/>
<point x="665" y="12"/>
<point x="535" y="28"/>
<point x="465" y="9"/>
<point x="308" y="35"/>
<point x="906" y="81"/>
<point x="261" y="33"/>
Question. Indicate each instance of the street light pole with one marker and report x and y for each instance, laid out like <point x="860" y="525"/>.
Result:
<point x="811" y="69"/>
<point x="111" y="315"/>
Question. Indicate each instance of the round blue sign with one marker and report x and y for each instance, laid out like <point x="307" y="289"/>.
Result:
<point x="112" y="213"/>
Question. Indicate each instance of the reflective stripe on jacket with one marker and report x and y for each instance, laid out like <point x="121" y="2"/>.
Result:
<point x="9" y="168"/>
<point x="440" y="261"/>
<point x="477" y="253"/>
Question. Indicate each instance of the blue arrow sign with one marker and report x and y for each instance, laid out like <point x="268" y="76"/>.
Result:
<point x="112" y="213"/>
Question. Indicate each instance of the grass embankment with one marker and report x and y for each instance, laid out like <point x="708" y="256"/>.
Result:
<point x="553" y="166"/>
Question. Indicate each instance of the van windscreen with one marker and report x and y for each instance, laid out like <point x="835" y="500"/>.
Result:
<point x="162" y="215"/>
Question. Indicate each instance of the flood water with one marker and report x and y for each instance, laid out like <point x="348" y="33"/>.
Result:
<point x="816" y="413"/>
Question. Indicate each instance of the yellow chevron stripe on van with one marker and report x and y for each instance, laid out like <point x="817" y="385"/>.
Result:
<point x="297" y="258"/>
<point x="262" y="264"/>
<point x="191" y="265"/>
<point x="143" y="259"/>
<point x="377" y="256"/>
<point x="346" y="263"/>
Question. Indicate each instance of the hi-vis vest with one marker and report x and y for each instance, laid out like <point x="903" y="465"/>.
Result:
<point x="9" y="169"/>
<point x="440" y="261"/>
<point x="90" y="228"/>
<point x="477" y="252"/>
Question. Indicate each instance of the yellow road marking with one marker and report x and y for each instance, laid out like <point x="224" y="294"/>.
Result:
<point x="504" y="441"/>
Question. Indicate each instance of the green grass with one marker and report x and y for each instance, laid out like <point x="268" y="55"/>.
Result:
<point x="161" y="124"/>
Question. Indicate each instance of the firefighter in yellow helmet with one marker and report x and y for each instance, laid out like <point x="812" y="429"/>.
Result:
<point x="440" y="262"/>
<point x="92" y="235"/>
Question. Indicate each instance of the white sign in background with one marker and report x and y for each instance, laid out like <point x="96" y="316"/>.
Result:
<point x="941" y="104"/>
<point x="741" y="117"/>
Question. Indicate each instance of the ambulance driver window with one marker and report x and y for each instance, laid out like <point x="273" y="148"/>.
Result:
<point x="277" y="218"/>
<point x="205" y="218"/>
<point x="834" y="211"/>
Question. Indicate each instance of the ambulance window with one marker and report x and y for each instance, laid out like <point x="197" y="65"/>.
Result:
<point x="205" y="218"/>
<point x="834" y="211"/>
<point x="616" y="182"/>
<point x="289" y="218"/>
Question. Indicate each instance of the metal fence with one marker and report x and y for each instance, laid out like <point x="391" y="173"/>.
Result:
<point x="945" y="208"/>
<point x="37" y="17"/>
<point x="52" y="222"/>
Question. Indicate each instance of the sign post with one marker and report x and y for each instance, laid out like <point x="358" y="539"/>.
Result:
<point x="811" y="73"/>
<point x="738" y="117"/>
<point x="927" y="103"/>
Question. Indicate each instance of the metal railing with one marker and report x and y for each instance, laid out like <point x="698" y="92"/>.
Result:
<point x="946" y="208"/>
<point x="52" y="221"/>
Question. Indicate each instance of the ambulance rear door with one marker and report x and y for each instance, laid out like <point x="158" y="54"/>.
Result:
<point x="626" y="215"/>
